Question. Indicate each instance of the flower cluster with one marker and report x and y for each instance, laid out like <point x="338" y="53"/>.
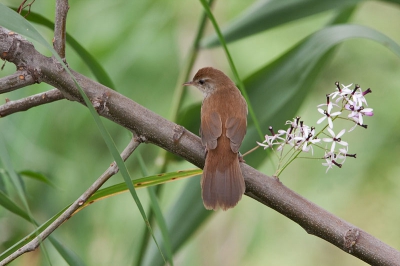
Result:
<point x="344" y="103"/>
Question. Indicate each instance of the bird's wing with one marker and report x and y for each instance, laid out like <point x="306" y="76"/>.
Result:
<point x="210" y="130"/>
<point x="235" y="131"/>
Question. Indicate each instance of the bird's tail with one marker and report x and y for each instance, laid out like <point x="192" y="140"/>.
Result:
<point x="222" y="183"/>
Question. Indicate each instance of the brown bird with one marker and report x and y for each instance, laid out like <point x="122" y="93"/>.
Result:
<point x="223" y="126"/>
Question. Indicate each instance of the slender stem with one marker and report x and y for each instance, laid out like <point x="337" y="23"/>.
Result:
<point x="232" y="65"/>
<point x="180" y="90"/>
<point x="250" y="151"/>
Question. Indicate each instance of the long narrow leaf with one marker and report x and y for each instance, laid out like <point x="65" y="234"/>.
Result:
<point x="37" y="176"/>
<point x="155" y="207"/>
<point x="233" y="67"/>
<point x="8" y="204"/>
<point x="264" y="15"/>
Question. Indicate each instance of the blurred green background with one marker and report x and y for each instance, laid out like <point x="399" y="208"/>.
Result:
<point x="143" y="45"/>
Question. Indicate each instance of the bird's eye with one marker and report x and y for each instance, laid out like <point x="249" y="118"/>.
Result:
<point x="202" y="81"/>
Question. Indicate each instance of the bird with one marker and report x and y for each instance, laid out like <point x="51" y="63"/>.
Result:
<point x="223" y="127"/>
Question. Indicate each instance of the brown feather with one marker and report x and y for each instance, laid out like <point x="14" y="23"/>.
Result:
<point x="222" y="184"/>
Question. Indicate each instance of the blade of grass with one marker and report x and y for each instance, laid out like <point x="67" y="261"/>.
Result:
<point x="264" y="15"/>
<point x="233" y="68"/>
<point x="155" y="207"/>
<point x="37" y="176"/>
<point x="8" y="204"/>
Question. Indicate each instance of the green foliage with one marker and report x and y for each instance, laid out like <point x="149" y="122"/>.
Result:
<point x="290" y="53"/>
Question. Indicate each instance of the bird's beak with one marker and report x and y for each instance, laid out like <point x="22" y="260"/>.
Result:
<point x="189" y="83"/>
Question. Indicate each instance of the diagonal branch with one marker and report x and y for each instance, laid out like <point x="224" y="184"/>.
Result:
<point x="267" y="190"/>
<point x="27" y="103"/>
<point x="112" y="170"/>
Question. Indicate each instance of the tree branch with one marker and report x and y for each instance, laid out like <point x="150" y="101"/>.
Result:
<point x="159" y="131"/>
<point x="16" y="81"/>
<point x="112" y="170"/>
<point x="60" y="25"/>
<point x="24" y="104"/>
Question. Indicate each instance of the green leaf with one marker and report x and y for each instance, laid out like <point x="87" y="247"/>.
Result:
<point x="69" y="255"/>
<point x="140" y="183"/>
<point x="264" y="15"/>
<point x="37" y="176"/>
<point x="7" y="203"/>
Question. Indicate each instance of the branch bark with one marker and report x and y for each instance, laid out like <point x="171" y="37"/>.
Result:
<point x="16" y="81"/>
<point x="159" y="131"/>
<point x="27" y="103"/>
<point x="60" y="25"/>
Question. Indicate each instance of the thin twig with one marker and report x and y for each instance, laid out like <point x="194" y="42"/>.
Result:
<point x="250" y="151"/>
<point x="27" y="103"/>
<point x="22" y="7"/>
<point x="112" y="170"/>
<point x="16" y="81"/>
<point x="60" y="30"/>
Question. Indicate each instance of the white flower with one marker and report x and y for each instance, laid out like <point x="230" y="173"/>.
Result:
<point x="358" y="96"/>
<point x="341" y="93"/>
<point x="357" y="112"/>
<point x="327" y="114"/>
<point x="294" y="123"/>
<point x="329" y="160"/>
<point x="335" y="139"/>
<point x="307" y="139"/>
<point x="270" y="141"/>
